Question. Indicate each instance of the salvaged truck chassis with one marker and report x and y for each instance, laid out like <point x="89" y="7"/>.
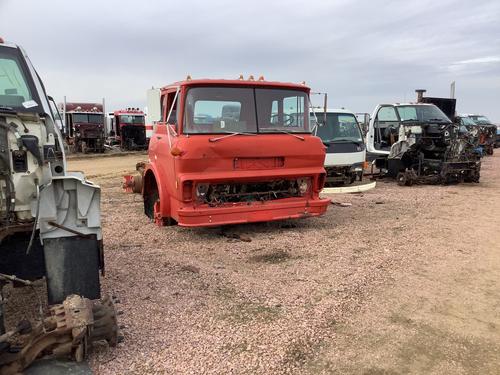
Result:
<point x="50" y="229"/>
<point x="431" y="156"/>
<point x="445" y="173"/>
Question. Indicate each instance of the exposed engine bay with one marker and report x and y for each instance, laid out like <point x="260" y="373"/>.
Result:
<point x="433" y="152"/>
<point x="50" y="226"/>
<point x="219" y="194"/>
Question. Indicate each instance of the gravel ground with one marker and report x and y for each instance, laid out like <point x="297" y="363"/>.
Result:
<point x="318" y="295"/>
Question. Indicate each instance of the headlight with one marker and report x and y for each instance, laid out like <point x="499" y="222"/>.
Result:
<point x="303" y="184"/>
<point x="201" y="190"/>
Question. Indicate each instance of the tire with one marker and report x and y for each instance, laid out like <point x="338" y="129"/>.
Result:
<point x="404" y="179"/>
<point x="401" y="179"/>
<point x="150" y="202"/>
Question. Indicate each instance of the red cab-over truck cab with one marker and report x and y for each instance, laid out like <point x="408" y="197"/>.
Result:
<point x="232" y="151"/>
<point x="128" y="129"/>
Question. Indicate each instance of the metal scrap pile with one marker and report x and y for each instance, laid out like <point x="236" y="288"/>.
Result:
<point x="436" y="153"/>
<point x="68" y="331"/>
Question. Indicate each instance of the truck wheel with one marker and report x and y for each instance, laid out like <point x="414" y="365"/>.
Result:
<point x="404" y="179"/>
<point x="401" y="179"/>
<point x="152" y="210"/>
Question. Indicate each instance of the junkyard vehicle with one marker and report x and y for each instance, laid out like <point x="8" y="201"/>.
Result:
<point x="231" y="151"/>
<point x="84" y="128"/>
<point x="363" y="121"/>
<point x="418" y="143"/>
<point x="345" y="149"/>
<point x="49" y="225"/>
<point x="497" y="141"/>
<point x="475" y="133"/>
<point x="487" y="130"/>
<point x="127" y="129"/>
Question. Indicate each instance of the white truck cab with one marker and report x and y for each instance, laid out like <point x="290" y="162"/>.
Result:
<point x="345" y="148"/>
<point x="383" y="129"/>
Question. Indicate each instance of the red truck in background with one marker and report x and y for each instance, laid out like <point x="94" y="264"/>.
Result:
<point x="128" y="130"/>
<point x="83" y="128"/>
<point x="231" y="151"/>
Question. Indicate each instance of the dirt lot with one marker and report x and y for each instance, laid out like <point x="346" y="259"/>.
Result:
<point x="406" y="280"/>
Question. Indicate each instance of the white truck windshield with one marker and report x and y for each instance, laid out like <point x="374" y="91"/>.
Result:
<point x="339" y="127"/>
<point x="16" y="91"/>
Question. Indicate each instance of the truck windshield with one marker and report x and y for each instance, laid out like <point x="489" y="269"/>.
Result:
<point x="220" y="110"/>
<point x="87" y="118"/>
<point x="131" y="119"/>
<point x="421" y="113"/>
<point x="480" y="120"/>
<point x="339" y="127"/>
<point x="467" y="121"/>
<point x="16" y="90"/>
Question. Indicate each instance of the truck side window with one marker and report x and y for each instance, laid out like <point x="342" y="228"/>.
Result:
<point x="163" y="101"/>
<point x="172" y="120"/>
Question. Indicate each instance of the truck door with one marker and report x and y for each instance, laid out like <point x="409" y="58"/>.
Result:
<point x="386" y="127"/>
<point x="165" y="139"/>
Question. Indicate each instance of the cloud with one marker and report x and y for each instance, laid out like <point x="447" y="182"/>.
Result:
<point x="475" y="65"/>
<point x="362" y="53"/>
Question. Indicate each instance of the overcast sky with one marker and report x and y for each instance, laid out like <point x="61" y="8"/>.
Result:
<point x="361" y="52"/>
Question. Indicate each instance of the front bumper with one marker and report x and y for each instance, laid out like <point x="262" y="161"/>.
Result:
<point x="238" y="213"/>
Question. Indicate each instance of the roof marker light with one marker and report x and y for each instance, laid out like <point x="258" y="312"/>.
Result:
<point x="241" y="77"/>
<point x="1" y="40"/>
<point x="188" y="78"/>
<point x="261" y="78"/>
<point x="251" y="78"/>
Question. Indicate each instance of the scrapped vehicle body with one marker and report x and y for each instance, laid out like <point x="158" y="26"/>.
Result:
<point x="231" y="151"/>
<point x="487" y="132"/>
<point x="418" y="143"/>
<point x="467" y="125"/>
<point x="345" y="149"/>
<point x="128" y="130"/>
<point x="84" y="128"/>
<point x="363" y="121"/>
<point x="497" y="139"/>
<point x="50" y="224"/>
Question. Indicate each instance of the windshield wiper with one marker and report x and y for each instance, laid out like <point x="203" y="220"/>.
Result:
<point x="346" y="140"/>
<point x="437" y="120"/>
<point x="229" y="134"/>
<point x="6" y="109"/>
<point x="285" y="132"/>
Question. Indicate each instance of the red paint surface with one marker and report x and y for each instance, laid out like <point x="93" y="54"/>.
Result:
<point x="266" y="157"/>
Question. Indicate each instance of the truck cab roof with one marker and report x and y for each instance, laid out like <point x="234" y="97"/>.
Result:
<point x="237" y="82"/>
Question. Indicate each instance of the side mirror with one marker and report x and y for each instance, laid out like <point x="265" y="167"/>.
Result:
<point x="154" y="105"/>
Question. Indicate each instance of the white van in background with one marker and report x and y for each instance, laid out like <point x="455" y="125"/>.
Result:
<point x="345" y="148"/>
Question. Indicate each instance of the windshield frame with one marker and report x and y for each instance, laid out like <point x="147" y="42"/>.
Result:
<point x="18" y="57"/>
<point x="480" y="119"/>
<point x="134" y="115"/>
<point x="306" y="129"/>
<point x="330" y="115"/>
<point x="402" y="120"/>
<point x="87" y="114"/>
